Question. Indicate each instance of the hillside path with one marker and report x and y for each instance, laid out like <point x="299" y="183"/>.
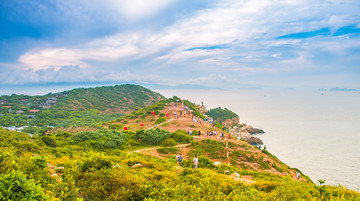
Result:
<point x="159" y="124"/>
<point x="154" y="148"/>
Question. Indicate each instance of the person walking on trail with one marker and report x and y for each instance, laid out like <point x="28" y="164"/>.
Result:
<point x="195" y="162"/>
<point x="179" y="159"/>
<point x="298" y="175"/>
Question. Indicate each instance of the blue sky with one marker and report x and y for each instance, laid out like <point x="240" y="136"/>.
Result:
<point x="227" y="44"/>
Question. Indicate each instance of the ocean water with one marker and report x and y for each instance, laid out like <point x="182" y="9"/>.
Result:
<point x="317" y="132"/>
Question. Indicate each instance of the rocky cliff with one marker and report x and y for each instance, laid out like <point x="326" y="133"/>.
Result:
<point x="252" y="130"/>
<point x="244" y="134"/>
<point x="231" y="122"/>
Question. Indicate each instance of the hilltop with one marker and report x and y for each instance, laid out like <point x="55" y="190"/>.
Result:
<point x="77" y="107"/>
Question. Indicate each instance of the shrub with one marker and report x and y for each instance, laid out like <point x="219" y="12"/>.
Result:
<point x="49" y="141"/>
<point x="181" y="136"/>
<point x="96" y="162"/>
<point x="40" y="161"/>
<point x="205" y="162"/>
<point x="116" y="126"/>
<point x="15" y="186"/>
<point x="162" y="115"/>
<point x="168" y="142"/>
<point x="160" y="120"/>
<point x="163" y="150"/>
<point x="102" y="139"/>
<point x="153" y="136"/>
<point x="279" y="169"/>
<point x="218" y="125"/>
<point x="173" y="150"/>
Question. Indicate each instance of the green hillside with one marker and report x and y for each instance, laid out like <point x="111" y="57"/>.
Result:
<point x="220" y="115"/>
<point x="110" y="99"/>
<point x="97" y="165"/>
<point x="77" y="107"/>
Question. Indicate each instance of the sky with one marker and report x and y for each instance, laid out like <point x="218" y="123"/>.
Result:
<point x="227" y="44"/>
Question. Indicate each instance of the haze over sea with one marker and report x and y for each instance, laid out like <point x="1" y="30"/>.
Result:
<point x="317" y="132"/>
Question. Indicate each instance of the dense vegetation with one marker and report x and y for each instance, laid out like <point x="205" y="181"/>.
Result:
<point x="78" y="107"/>
<point x="220" y="115"/>
<point x="77" y="168"/>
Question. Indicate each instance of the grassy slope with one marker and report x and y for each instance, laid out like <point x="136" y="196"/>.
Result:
<point x="92" y="174"/>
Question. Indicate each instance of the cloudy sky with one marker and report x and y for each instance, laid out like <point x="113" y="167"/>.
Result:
<point x="222" y="43"/>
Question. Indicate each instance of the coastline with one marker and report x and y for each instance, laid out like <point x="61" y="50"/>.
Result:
<point x="283" y="114"/>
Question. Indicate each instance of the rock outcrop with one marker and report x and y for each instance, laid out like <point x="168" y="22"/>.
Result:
<point x="244" y="134"/>
<point x="202" y="109"/>
<point x="252" y="130"/>
<point x="254" y="140"/>
<point x="231" y="122"/>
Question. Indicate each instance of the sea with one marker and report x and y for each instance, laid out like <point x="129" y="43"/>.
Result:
<point x="315" y="131"/>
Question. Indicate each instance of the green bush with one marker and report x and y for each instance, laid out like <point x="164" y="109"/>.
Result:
<point x="163" y="150"/>
<point x="49" y="141"/>
<point x="205" y="162"/>
<point x="116" y="126"/>
<point x="96" y="162"/>
<point x="160" y="120"/>
<point x="15" y="186"/>
<point x="40" y="161"/>
<point x="153" y="136"/>
<point x="173" y="150"/>
<point x="218" y="125"/>
<point x="168" y="142"/>
<point x="181" y="136"/>
<point x="102" y="139"/>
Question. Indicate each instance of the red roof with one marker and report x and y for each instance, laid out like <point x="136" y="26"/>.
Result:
<point x="7" y="106"/>
<point x="34" y="111"/>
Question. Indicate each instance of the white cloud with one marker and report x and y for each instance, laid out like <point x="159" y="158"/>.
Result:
<point x="249" y="27"/>
<point x="211" y="78"/>
<point x="139" y="9"/>
<point x="276" y="55"/>
<point x="73" y="74"/>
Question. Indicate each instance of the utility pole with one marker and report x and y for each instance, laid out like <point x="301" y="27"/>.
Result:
<point x="227" y="151"/>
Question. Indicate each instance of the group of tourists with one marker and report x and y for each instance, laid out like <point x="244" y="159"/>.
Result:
<point x="195" y="161"/>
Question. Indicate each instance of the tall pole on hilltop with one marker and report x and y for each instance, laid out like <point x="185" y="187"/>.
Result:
<point x="227" y="151"/>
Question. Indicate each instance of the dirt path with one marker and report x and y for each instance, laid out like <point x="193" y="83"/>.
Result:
<point x="160" y="124"/>
<point x="155" y="148"/>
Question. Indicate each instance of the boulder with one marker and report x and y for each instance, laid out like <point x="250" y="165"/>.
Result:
<point x="137" y="165"/>
<point x="217" y="163"/>
<point x="59" y="169"/>
<point x="235" y="175"/>
<point x="50" y="166"/>
<point x="253" y="140"/>
<point x="252" y="130"/>
<point x="226" y="172"/>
